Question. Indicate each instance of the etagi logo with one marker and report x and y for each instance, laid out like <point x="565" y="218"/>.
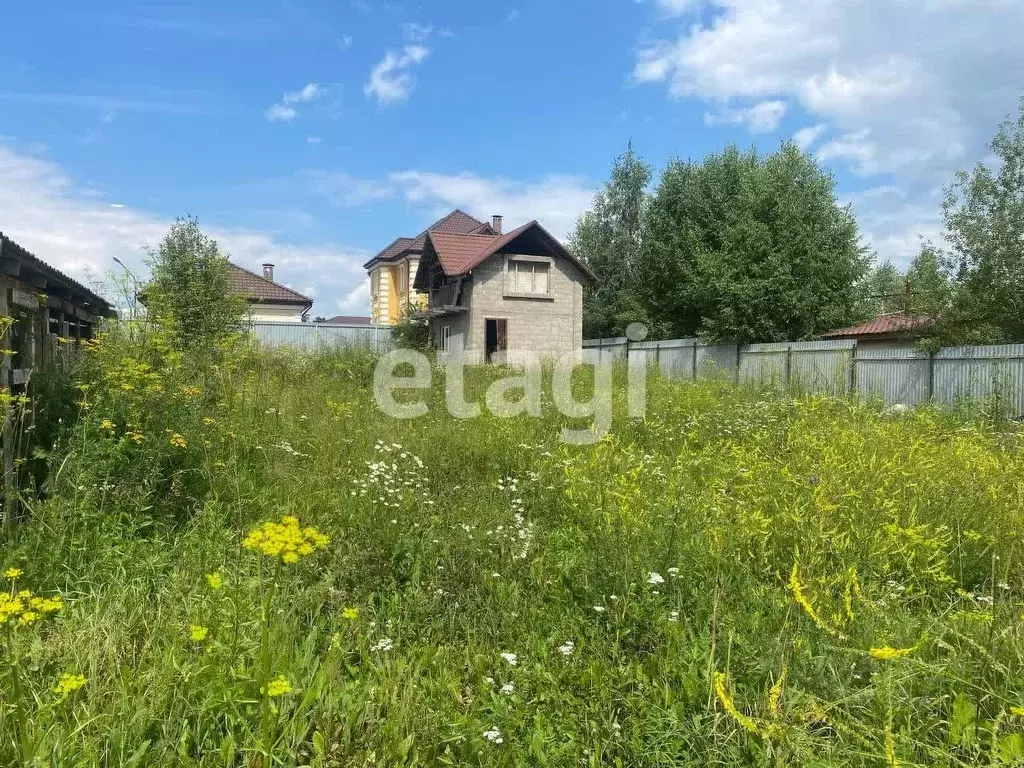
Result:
<point x="502" y="397"/>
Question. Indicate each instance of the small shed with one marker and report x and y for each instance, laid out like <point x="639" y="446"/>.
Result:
<point x="46" y="305"/>
<point x="895" y="329"/>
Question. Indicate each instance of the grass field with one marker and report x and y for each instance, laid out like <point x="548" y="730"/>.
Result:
<point x="740" y="579"/>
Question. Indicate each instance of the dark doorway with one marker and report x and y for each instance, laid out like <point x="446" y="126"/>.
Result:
<point x="495" y="339"/>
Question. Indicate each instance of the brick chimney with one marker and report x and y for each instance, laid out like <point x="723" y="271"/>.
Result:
<point x="496" y="223"/>
<point x="268" y="271"/>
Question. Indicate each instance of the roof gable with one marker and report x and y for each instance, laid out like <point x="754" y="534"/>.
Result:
<point x="456" y="222"/>
<point x="458" y="254"/>
<point x="258" y="290"/>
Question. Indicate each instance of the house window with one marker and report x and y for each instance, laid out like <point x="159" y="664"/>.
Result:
<point x="529" y="276"/>
<point x="446" y="337"/>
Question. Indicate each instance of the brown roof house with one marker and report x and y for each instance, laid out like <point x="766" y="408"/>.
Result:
<point x="269" y="302"/>
<point x="393" y="270"/>
<point x="896" y="329"/>
<point x="495" y="297"/>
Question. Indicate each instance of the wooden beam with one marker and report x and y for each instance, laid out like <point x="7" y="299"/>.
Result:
<point x="10" y="267"/>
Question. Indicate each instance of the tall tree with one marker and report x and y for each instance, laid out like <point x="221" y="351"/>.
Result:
<point x="609" y="237"/>
<point x="188" y="293"/>
<point x="929" y="283"/>
<point x="883" y="290"/>
<point x="984" y="216"/>
<point x="745" y="247"/>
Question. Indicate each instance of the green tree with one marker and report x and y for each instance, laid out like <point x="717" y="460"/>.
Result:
<point x="745" y="247"/>
<point x="883" y="290"/>
<point x="608" y="238"/>
<point x="983" y="212"/>
<point x="929" y="283"/>
<point x="188" y="293"/>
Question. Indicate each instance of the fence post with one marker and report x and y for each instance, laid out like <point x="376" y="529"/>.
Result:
<point x="852" y="376"/>
<point x="931" y="375"/>
<point x="789" y="367"/>
<point x="694" y="360"/>
<point x="739" y="359"/>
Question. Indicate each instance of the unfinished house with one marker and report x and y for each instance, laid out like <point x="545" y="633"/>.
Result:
<point x="503" y="298"/>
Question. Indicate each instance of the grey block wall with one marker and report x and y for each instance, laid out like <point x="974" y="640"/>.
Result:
<point x="537" y="327"/>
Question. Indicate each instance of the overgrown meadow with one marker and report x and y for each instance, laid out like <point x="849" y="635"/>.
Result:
<point x="241" y="562"/>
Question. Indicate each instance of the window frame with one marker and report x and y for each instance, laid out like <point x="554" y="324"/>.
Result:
<point x="511" y="276"/>
<point x="446" y="339"/>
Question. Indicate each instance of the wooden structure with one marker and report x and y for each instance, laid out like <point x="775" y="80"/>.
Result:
<point x="45" y="306"/>
<point x="44" y="302"/>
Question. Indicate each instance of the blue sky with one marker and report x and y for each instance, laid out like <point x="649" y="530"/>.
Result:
<point x="312" y="133"/>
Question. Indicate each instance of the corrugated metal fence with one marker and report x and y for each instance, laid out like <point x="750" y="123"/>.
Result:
<point x="323" y="336"/>
<point x="896" y="375"/>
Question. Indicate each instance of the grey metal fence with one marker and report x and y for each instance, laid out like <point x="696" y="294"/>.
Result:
<point x="314" y="336"/>
<point x="897" y="375"/>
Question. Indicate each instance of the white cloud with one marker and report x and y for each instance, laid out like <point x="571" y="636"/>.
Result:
<point x="391" y="81"/>
<point x="416" y="33"/>
<point x="313" y="139"/>
<point x="345" y="42"/>
<point x="308" y="92"/>
<point x="555" y="201"/>
<point x="911" y="89"/>
<point x="345" y="190"/>
<point x="74" y="229"/>
<point x="806" y="137"/>
<point x="285" y="111"/>
<point x="762" y="117"/>
<point x="675" y="7"/>
<point x="280" y="113"/>
<point x="512" y="15"/>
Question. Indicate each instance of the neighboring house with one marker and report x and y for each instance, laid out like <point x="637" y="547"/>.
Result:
<point x="268" y="301"/>
<point x="502" y="297"/>
<point x="888" y="330"/>
<point x="347" y="320"/>
<point x="393" y="270"/>
<point x="46" y="305"/>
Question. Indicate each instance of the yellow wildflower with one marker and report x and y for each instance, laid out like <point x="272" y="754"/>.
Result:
<point x="107" y="424"/>
<point x="775" y="694"/>
<point x="285" y="540"/>
<point x="69" y="684"/>
<point x="27" y="608"/>
<point x="890" y="748"/>
<point x="189" y="391"/>
<point x="745" y="722"/>
<point x="801" y="599"/>
<point x="279" y="686"/>
<point x="197" y="633"/>
<point x="215" y="580"/>
<point x="1017" y="711"/>
<point x="178" y="441"/>
<point x="888" y="653"/>
<point x="208" y="420"/>
<point x="12" y="573"/>
<point x="350" y="613"/>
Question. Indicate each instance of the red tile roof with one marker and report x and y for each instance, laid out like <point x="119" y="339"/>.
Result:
<point x="258" y="290"/>
<point x="883" y="325"/>
<point x="457" y="222"/>
<point x="459" y="254"/>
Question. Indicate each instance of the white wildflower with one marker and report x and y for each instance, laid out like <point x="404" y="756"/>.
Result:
<point x="508" y="689"/>
<point x="384" y="644"/>
<point x="493" y="735"/>
<point x="655" y="578"/>
<point x="511" y="658"/>
<point x="567" y="648"/>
